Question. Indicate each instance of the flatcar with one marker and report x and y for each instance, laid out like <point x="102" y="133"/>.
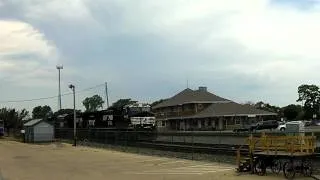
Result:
<point x="291" y="153"/>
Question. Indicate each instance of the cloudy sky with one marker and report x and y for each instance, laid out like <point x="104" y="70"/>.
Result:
<point x="246" y="50"/>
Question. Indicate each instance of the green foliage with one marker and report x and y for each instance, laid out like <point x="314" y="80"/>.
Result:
<point x="310" y="95"/>
<point x="121" y="103"/>
<point x="157" y="102"/>
<point x="13" y="118"/>
<point x="93" y="103"/>
<point x="293" y="112"/>
<point x="41" y="112"/>
<point x="267" y="107"/>
<point x="65" y="111"/>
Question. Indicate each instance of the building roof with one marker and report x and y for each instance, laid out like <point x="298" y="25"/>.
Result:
<point x="191" y="96"/>
<point x="227" y="109"/>
<point x="32" y="122"/>
<point x="231" y="109"/>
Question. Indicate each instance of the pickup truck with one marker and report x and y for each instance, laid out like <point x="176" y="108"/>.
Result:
<point x="270" y="124"/>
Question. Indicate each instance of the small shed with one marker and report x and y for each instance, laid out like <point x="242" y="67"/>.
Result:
<point x="38" y="130"/>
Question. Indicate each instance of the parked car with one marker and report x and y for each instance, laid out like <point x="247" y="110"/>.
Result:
<point x="245" y="128"/>
<point x="315" y="122"/>
<point x="307" y="123"/>
<point x="282" y="126"/>
<point x="269" y="124"/>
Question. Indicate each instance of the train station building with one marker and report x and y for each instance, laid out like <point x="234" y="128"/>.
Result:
<point x="202" y="110"/>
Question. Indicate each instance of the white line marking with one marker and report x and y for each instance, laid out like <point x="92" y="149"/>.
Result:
<point x="171" y="162"/>
<point x="167" y="173"/>
<point x="123" y="161"/>
<point x="182" y="171"/>
<point x="204" y="169"/>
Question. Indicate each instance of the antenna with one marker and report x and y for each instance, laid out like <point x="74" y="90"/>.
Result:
<point x="107" y="95"/>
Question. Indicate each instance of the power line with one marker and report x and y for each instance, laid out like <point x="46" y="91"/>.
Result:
<point x="51" y="97"/>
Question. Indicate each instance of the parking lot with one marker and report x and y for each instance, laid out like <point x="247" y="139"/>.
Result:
<point x="62" y="161"/>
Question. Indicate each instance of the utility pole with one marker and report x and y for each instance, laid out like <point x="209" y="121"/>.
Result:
<point x="107" y="96"/>
<point x="74" y="116"/>
<point x="59" y="67"/>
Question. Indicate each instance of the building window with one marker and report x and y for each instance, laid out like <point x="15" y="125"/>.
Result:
<point x="238" y="121"/>
<point x="194" y="122"/>
<point x="186" y="107"/>
<point x="163" y="123"/>
<point x="230" y="121"/>
<point x="202" y="123"/>
<point x="209" y="122"/>
<point x="200" y="106"/>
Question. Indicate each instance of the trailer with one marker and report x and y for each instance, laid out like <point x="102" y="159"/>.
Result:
<point x="290" y="153"/>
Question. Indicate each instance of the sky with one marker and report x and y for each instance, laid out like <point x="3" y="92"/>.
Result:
<point x="248" y="50"/>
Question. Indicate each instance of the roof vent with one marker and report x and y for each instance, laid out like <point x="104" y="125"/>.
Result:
<point x="203" y="89"/>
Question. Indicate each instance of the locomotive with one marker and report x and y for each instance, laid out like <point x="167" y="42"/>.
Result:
<point x="130" y="117"/>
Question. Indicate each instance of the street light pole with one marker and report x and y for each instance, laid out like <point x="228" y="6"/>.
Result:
<point x="74" y="116"/>
<point x="59" y="67"/>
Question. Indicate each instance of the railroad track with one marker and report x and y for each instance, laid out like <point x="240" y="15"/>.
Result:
<point x="209" y="148"/>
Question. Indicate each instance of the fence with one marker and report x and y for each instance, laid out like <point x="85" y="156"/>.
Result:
<point x="217" y="146"/>
<point x="188" y="145"/>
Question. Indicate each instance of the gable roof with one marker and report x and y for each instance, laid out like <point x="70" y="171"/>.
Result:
<point x="190" y="96"/>
<point x="231" y="109"/>
<point x="32" y="122"/>
<point x="227" y="109"/>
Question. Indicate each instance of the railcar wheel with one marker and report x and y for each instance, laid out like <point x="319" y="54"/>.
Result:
<point x="289" y="170"/>
<point x="276" y="166"/>
<point x="260" y="167"/>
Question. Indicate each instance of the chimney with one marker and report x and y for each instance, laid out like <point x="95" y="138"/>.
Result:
<point x="203" y="89"/>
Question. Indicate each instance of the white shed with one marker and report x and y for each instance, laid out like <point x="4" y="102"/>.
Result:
<point x="38" y="130"/>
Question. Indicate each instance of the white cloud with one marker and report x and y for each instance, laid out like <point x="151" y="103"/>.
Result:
<point x="21" y="38"/>
<point x="276" y="46"/>
<point x="23" y="50"/>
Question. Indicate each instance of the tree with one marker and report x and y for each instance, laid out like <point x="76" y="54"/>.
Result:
<point x="267" y="107"/>
<point x="121" y="103"/>
<point x="65" y="111"/>
<point x="93" y="103"/>
<point x="292" y="111"/>
<point x="310" y="95"/>
<point x="40" y="112"/>
<point x="249" y="103"/>
<point x="12" y="118"/>
<point x="157" y="102"/>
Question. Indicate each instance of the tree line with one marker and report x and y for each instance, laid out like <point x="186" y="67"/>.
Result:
<point x="308" y="95"/>
<point x="14" y="119"/>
